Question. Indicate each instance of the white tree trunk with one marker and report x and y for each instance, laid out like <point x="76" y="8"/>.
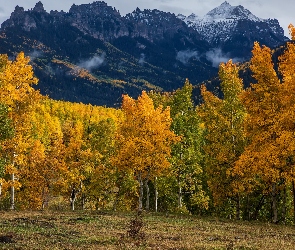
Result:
<point x="147" y="205"/>
<point x="83" y="201"/>
<point x="179" y="195"/>
<point x="73" y="205"/>
<point x="156" y="195"/>
<point x="12" y="206"/>
<point x="73" y="198"/>
<point x="140" y="192"/>
<point x="274" y="203"/>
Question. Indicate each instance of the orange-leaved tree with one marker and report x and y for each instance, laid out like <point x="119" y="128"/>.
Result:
<point x="287" y="116"/>
<point x="261" y="163"/>
<point x="144" y="141"/>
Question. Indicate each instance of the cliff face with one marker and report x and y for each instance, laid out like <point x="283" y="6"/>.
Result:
<point x="157" y="25"/>
<point x="98" y="20"/>
<point x="104" y="22"/>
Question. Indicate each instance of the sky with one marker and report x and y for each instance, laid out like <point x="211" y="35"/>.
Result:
<point x="283" y="10"/>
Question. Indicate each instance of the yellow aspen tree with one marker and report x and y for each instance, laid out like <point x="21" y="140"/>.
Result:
<point x="144" y="141"/>
<point x="80" y="152"/>
<point x="75" y="156"/>
<point x="31" y="177"/>
<point x="6" y="132"/>
<point x="292" y="31"/>
<point x="16" y="81"/>
<point x="40" y="171"/>
<point x="101" y="184"/>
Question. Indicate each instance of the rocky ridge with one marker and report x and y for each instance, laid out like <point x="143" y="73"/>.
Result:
<point x="226" y="21"/>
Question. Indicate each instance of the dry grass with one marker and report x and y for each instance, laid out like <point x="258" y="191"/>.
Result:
<point x="97" y="230"/>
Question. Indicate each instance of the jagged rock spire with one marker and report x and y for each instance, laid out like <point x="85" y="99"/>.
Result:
<point x="39" y="7"/>
<point x="18" y="9"/>
<point x="225" y="3"/>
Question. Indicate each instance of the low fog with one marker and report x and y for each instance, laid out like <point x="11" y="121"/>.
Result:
<point x="93" y="63"/>
<point x="217" y="56"/>
<point x="185" y="55"/>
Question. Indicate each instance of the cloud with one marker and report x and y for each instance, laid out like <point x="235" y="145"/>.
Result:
<point x="216" y="56"/>
<point x="141" y="60"/>
<point x="35" y="54"/>
<point x="93" y="63"/>
<point x="185" y="55"/>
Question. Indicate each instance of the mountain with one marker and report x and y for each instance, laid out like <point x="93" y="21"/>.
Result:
<point x="92" y="54"/>
<point x="233" y="29"/>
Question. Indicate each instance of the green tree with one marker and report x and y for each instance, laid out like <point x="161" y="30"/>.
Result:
<point x="225" y="141"/>
<point x="187" y="154"/>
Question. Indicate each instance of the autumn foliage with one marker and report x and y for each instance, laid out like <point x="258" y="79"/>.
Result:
<point x="232" y="155"/>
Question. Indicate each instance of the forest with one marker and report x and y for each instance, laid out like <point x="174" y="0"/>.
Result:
<point x="231" y="157"/>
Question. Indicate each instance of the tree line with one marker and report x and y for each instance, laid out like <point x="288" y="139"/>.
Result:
<point x="231" y="156"/>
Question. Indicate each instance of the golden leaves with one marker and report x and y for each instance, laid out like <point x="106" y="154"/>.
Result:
<point x="145" y="136"/>
<point x="270" y="121"/>
<point x="292" y="31"/>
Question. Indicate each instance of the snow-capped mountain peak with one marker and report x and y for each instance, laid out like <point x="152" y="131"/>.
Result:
<point x="221" y="22"/>
<point x="223" y="10"/>
<point x="227" y="11"/>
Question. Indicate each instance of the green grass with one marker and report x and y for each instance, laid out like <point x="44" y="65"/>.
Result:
<point x="108" y="230"/>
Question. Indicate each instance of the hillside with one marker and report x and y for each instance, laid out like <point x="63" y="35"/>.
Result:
<point x="92" y="54"/>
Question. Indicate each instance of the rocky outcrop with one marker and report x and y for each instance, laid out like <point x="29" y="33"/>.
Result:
<point x="27" y="20"/>
<point x="97" y="19"/>
<point x="105" y="22"/>
<point x="39" y="8"/>
<point x="157" y="25"/>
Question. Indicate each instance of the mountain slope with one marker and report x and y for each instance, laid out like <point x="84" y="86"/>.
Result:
<point x="92" y="54"/>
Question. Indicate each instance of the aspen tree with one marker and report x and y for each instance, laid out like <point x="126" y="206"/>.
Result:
<point x="225" y="141"/>
<point x="144" y="141"/>
<point x="287" y="138"/>
<point x="263" y="102"/>
<point x="16" y="81"/>
<point x="186" y="154"/>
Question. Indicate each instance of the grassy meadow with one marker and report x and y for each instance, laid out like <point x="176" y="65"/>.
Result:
<point x="110" y="230"/>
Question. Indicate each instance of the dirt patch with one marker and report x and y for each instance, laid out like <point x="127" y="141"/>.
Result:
<point x="31" y="222"/>
<point x="7" y="238"/>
